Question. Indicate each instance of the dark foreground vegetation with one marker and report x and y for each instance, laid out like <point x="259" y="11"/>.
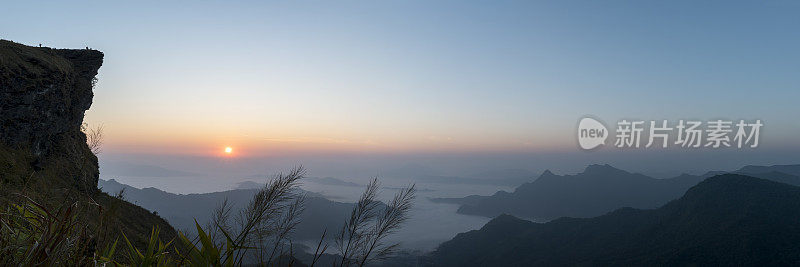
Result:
<point x="34" y="234"/>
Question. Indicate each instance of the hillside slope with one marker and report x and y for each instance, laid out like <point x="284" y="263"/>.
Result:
<point x="182" y="210"/>
<point x="725" y="220"/>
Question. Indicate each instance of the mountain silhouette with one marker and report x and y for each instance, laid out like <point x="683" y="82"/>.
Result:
<point x="728" y="219"/>
<point x="181" y="210"/>
<point x="787" y="169"/>
<point x="597" y="190"/>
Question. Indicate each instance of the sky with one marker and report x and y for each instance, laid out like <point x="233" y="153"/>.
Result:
<point x="299" y="78"/>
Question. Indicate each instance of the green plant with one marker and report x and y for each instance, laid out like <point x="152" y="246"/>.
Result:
<point x="30" y="234"/>
<point x="106" y="255"/>
<point x="261" y="229"/>
<point x="207" y="252"/>
<point x="156" y="253"/>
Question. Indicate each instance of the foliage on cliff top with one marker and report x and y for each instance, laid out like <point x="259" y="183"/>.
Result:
<point x="21" y="58"/>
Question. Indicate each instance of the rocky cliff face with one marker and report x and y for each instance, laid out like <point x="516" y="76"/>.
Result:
<point x="43" y="153"/>
<point x="44" y="93"/>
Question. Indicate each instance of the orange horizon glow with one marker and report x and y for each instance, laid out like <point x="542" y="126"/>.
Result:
<point x="258" y="148"/>
<point x="245" y="142"/>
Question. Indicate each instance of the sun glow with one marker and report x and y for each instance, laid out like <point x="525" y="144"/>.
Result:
<point x="228" y="150"/>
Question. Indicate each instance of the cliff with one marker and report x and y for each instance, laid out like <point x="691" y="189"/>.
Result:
<point x="44" y="94"/>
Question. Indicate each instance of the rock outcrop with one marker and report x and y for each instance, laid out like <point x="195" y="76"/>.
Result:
<point x="44" y="93"/>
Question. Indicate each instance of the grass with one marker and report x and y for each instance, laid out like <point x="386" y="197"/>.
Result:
<point x="107" y="230"/>
<point x="18" y="58"/>
<point x="59" y="181"/>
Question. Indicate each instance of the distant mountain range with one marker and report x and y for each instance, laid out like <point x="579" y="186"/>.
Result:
<point x="181" y="210"/>
<point x="725" y="220"/>
<point x="597" y="190"/>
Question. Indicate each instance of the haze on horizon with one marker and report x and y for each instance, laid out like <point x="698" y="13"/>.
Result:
<point x="443" y="83"/>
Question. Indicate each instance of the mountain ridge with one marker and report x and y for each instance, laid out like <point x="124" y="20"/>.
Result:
<point x="728" y="219"/>
<point x="181" y="210"/>
<point x="593" y="192"/>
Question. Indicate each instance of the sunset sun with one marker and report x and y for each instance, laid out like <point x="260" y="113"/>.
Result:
<point x="228" y="150"/>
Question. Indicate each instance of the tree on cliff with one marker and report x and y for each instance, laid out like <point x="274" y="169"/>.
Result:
<point x="94" y="137"/>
